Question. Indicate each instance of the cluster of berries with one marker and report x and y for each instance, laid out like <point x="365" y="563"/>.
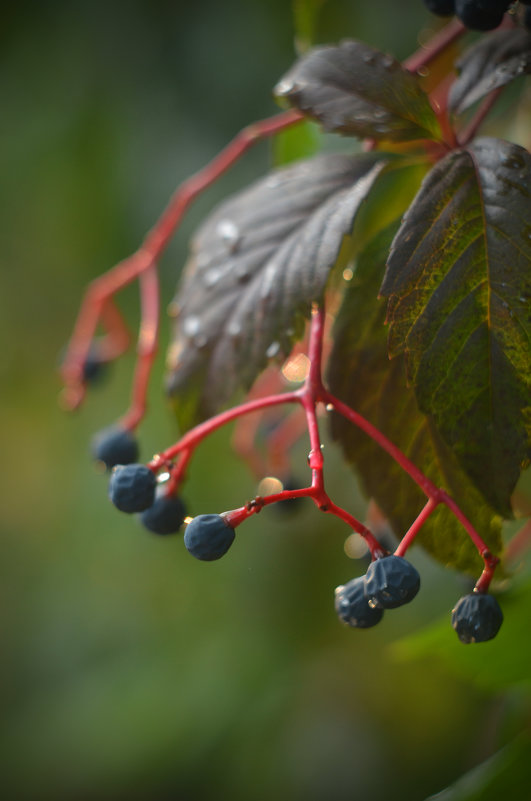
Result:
<point x="392" y="581"/>
<point x="478" y="15"/>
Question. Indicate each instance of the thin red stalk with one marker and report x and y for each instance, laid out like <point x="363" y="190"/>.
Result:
<point x="118" y="338"/>
<point x="520" y="543"/>
<point x="147" y="346"/>
<point x="437" y="44"/>
<point x="409" y="537"/>
<point x="468" y="133"/>
<point x="374" y="433"/>
<point x="193" y="437"/>
<point x="154" y="243"/>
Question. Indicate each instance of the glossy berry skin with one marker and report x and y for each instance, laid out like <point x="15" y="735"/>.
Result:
<point x="208" y="537"/>
<point x="115" y="446"/>
<point x="132" y="487"/>
<point x="443" y="8"/>
<point x="390" y="582"/>
<point x="477" y="617"/>
<point x="352" y="606"/>
<point x="165" y="516"/>
<point x="474" y="17"/>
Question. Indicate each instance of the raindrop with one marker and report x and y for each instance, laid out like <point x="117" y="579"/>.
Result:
<point x="273" y="350"/>
<point x="212" y="277"/>
<point x="368" y="58"/>
<point x="234" y="329"/>
<point x="284" y="87"/>
<point x="513" y="162"/>
<point x="229" y="233"/>
<point x="387" y="62"/>
<point x="191" y="326"/>
<point x="329" y="407"/>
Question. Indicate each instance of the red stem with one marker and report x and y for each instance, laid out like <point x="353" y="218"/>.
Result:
<point x="442" y="39"/>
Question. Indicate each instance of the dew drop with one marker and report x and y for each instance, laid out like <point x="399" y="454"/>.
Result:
<point x="368" y="58"/>
<point x="191" y="326"/>
<point x="229" y="233"/>
<point x="329" y="407"/>
<point x="284" y="87"/>
<point x="234" y="329"/>
<point x="273" y="350"/>
<point x="387" y="62"/>
<point x="211" y="277"/>
<point x="513" y="162"/>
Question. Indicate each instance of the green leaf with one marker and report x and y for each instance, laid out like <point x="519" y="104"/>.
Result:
<point x="305" y="16"/>
<point x="355" y="90"/>
<point x="496" y="665"/>
<point x="361" y="374"/>
<point x="296" y="142"/>
<point x="459" y="285"/>
<point x="257" y="264"/>
<point x="506" y="774"/>
<point x="494" y="61"/>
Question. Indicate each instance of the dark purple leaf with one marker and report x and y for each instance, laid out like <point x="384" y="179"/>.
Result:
<point x="489" y="64"/>
<point x="355" y="90"/>
<point x="256" y="266"/>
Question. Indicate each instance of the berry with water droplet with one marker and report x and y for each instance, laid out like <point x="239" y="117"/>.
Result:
<point x="208" y="537"/>
<point x="390" y="582"/>
<point x="132" y="487"/>
<point x="352" y="606"/>
<point x="477" y="617"/>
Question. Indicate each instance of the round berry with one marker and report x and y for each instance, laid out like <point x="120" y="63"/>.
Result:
<point x="477" y="617"/>
<point x="165" y="516"/>
<point x="391" y="582"/>
<point x="443" y="8"/>
<point x="208" y="537"/>
<point x="132" y="487"/>
<point x="114" y="446"/>
<point x="476" y="18"/>
<point x="93" y="368"/>
<point x="352" y="606"/>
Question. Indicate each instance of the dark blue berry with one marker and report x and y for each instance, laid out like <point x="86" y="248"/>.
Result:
<point x="132" y="487"/>
<point x="443" y="8"/>
<point x="93" y="369"/>
<point x="494" y="6"/>
<point x="352" y="606"/>
<point x="208" y="537"/>
<point x="165" y="516"/>
<point x="391" y="582"/>
<point x="115" y="446"/>
<point x="477" y="617"/>
<point x="474" y="17"/>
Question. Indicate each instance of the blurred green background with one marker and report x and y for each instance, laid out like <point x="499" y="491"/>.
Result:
<point x="129" y="670"/>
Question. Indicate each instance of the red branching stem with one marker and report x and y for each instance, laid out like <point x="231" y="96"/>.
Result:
<point x="468" y="133"/>
<point x="375" y="434"/>
<point x="520" y="543"/>
<point x="154" y="244"/>
<point x="411" y="533"/>
<point x="193" y="437"/>
<point x="118" y="338"/>
<point x="483" y="582"/>
<point x="436" y="45"/>
<point x="147" y="346"/>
